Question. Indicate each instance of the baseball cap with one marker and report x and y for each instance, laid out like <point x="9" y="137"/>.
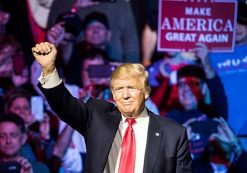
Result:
<point x="191" y="71"/>
<point x="96" y="16"/>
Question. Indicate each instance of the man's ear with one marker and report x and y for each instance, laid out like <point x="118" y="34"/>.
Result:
<point x="113" y="95"/>
<point x="146" y="95"/>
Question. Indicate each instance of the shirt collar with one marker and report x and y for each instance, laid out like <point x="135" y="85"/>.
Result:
<point x="143" y="115"/>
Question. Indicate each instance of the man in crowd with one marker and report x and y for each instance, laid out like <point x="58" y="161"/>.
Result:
<point x="12" y="137"/>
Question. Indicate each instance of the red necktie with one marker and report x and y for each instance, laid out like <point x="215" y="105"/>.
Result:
<point x="128" y="149"/>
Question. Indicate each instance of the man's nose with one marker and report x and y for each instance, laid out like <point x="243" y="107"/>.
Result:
<point x="8" y="139"/>
<point x="126" y="93"/>
<point x="96" y="30"/>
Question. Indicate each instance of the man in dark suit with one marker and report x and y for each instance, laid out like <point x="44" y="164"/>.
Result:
<point x="160" y="145"/>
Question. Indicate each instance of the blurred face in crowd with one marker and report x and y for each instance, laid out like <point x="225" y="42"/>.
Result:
<point x="241" y="33"/>
<point x="85" y="77"/>
<point x="189" y="90"/>
<point x="11" y="140"/>
<point x="21" y="107"/>
<point x="97" y="34"/>
<point x="129" y="95"/>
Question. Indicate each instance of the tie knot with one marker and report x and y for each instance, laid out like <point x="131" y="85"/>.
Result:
<point x="131" y="121"/>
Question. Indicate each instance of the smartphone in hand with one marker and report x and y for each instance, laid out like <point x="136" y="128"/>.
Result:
<point x="10" y="167"/>
<point x="37" y="107"/>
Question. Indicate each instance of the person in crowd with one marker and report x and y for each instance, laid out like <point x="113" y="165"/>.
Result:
<point x="193" y="86"/>
<point x="95" y="79"/>
<point x="13" y="71"/>
<point x="39" y="144"/>
<point x="231" y="67"/>
<point x="150" y="35"/>
<point x="124" y="41"/>
<point x="28" y="22"/>
<point x="96" y="35"/>
<point x="64" y="34"/>
<point x="102" y="123"/>
<point x="97" y="31"/>
<point x="17" y="101"/>
<point x="70" y="149"/>
<point x="163" y="78"/>
<point x="241" y="34"/>
<point x="13" y="136"/>
<point x="224" y="152"/>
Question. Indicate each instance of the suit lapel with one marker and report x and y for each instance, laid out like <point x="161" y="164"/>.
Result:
<point x="112" y="122"/>
<point x="154" y="139"/>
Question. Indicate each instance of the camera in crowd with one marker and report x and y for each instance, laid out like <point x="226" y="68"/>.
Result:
<point x="202" y="129"/>
<point x="72" y="22"/>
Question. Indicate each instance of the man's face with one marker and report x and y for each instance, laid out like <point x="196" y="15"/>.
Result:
<point x="11" y="139"/>
<point x="97" y="34"/>
<point x="129" y="95"/>
<point x="188" y="87"/>
<point x="21" y="107"/>
<point x="241" y="33"/>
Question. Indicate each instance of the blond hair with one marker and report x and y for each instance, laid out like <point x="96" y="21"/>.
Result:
<point x="134" y="70"/>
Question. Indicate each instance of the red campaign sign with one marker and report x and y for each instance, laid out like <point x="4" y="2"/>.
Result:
<point x="183" y="23"/>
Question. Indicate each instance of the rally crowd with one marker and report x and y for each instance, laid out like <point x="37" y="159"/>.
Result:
<point x="92" y="39"/>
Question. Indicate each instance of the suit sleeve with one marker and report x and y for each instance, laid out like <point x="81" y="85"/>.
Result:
<point x="184" y="161"/>
<point x="71" y="110"/>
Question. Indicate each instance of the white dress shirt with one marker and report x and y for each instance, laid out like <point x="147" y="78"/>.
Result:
<point x="140" y="129"/>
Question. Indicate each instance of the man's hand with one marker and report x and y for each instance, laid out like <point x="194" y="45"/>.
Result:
<point x="227" y="136"/>
<point x="45" y="54"/>
<point x="26" y="166"/>
<point x="201" y="52"/>
<point x="224" y="134"/>
<point x="56" y="34"/>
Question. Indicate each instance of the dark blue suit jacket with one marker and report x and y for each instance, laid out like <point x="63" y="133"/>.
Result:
<point x="167" y="149"/>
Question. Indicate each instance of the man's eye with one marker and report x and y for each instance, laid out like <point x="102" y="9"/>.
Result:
<point x="14" y="135"/>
